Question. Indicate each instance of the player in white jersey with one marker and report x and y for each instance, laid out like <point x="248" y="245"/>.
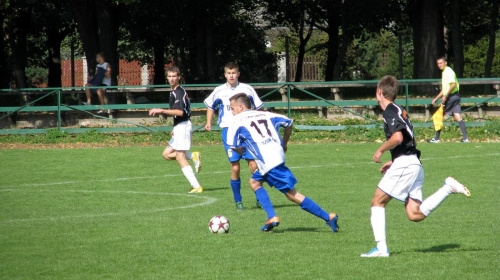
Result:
<point x="219" y="100"/>
<point x="257" y="133"/>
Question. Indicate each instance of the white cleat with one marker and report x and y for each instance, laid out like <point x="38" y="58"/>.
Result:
<point x="375" y="253"/>
<point x="456" y="187"/>
<point x="197" y="161"/>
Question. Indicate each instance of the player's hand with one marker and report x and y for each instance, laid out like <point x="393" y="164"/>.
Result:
<point x="240" y="150"/>
<point x="385" y="167"/>
<point x="155" y="111"/>
<point x="433" y="102"/>
<point x="208" y="127"/>
<point x="376" y="156"/>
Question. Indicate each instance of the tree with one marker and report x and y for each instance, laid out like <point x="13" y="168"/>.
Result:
<point x="98" y="24"/>
<point x="426" y="18"/>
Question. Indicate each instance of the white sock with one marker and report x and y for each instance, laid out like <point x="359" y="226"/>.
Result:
<point x="432" y="202"/>
<point x="189" y="155"/>
<point x="189" y="174"/>
<point x="378" y="226"/>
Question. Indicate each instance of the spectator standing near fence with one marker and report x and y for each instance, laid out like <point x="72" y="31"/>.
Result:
<point x="450" y="98"/>
<point x="219" y="100"/>
<point x="102" y="77"/>
<point x="180" y="143"/>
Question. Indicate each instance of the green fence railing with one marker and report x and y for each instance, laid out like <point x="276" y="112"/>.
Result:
<point x="304" y="88"/>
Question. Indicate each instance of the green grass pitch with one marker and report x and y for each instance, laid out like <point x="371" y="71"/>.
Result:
<point x="124" y="213"/>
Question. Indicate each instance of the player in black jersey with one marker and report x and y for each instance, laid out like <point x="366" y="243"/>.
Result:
<point x="403" y="175"/>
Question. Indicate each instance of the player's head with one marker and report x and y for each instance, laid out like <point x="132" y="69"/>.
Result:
<point x="232" y="73"/>
<point x="173" y="75"/>
<point x="388" y="85"/>
<point x="240" y="102"/>
<point x="442" y="62"/>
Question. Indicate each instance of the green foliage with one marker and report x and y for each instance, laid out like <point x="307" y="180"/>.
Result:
<point x="475" y="58"/>
<point x="493" y="128"/>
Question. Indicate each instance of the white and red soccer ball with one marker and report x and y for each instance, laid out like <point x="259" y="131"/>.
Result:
<point x="218" y="224"/>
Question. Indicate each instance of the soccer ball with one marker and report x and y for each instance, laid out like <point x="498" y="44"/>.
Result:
<point x="218" y="224"/>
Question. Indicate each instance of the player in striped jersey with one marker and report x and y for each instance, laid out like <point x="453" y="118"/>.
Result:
<point x="257" y="133"/>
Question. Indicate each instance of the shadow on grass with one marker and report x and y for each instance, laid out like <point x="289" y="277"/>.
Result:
<point x="439" y="248"/>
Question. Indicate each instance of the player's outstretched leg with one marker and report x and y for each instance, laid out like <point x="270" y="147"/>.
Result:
<point x="456" y="187"/>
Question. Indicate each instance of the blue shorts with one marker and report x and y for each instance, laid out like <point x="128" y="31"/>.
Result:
<point x="232" y="155"/>
<point x="279" y="177"/>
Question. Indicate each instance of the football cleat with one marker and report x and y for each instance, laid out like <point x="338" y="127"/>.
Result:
<point x="376" y="253"/>
<point x="464" y="140"/>
<point x="271" y="223"/>
<point x="196" y="190"/>
<point x="456" y="187"/>
<point x="432" y="140"/>
<point x="197" y="161"/>
<point x="333" y="222"/>
<point x="239" y="206"/>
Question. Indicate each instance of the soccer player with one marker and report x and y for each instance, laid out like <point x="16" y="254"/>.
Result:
<point x="450" y="98"/>
<point x="257" y="132"/>
<point x="180" y="143"/>
<point x="219" y="100"/>
<point x="403" y="175"/>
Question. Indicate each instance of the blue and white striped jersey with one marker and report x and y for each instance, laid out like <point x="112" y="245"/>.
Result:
<point x="259" y="133"/>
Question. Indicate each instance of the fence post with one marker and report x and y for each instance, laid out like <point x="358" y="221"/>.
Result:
<point x="59" y="110"/>
<point x="289" y="105"/>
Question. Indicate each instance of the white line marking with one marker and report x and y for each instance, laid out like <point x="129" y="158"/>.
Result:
<point x="207" y="200"/>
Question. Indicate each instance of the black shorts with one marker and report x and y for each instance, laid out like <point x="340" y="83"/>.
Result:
<point x="452" y="104"/>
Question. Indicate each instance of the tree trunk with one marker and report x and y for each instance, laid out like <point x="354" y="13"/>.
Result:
<point x="84" y="13"/>
<point x="456" y="38"/>
<point x="108" y="17"/>
<point x="54" y="39"/>
<point x="18" y="32"/>
<point x="159" y="62"/>
<point x="491" y="46"/>
<point x="302" y="49"/>
<point x="4" y="67"/>
<point x="332" y="46"/>
<point x="428" y="37"/>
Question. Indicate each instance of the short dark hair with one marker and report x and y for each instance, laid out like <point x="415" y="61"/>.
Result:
<point x="243" y="99"/>
<point x="389" y="86"/>
<point x="442" y="57"/>
<point x="173" y="69"/>
<point x="231" y="65"/>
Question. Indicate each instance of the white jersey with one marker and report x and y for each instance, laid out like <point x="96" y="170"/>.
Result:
<point x="105" y="80"/>
<point x="259" y="133"/>
<point x="220" y="98"/>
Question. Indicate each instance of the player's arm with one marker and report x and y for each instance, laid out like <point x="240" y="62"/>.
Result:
<point x="437" y="97"/>
<point x="394" y="141"/>
<point x="210" y="114"/>
<point x="171" y="112"/>
<point x="286" y="136"/>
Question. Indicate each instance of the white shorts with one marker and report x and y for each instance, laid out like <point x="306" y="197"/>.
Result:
<point x="181" y="139"/>
<point x="404" y="179"/>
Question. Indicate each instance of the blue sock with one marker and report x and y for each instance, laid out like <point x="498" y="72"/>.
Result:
<point x="236" y="186"/>
<point x="265" y="201"/>
<point x="313" y="208"/>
